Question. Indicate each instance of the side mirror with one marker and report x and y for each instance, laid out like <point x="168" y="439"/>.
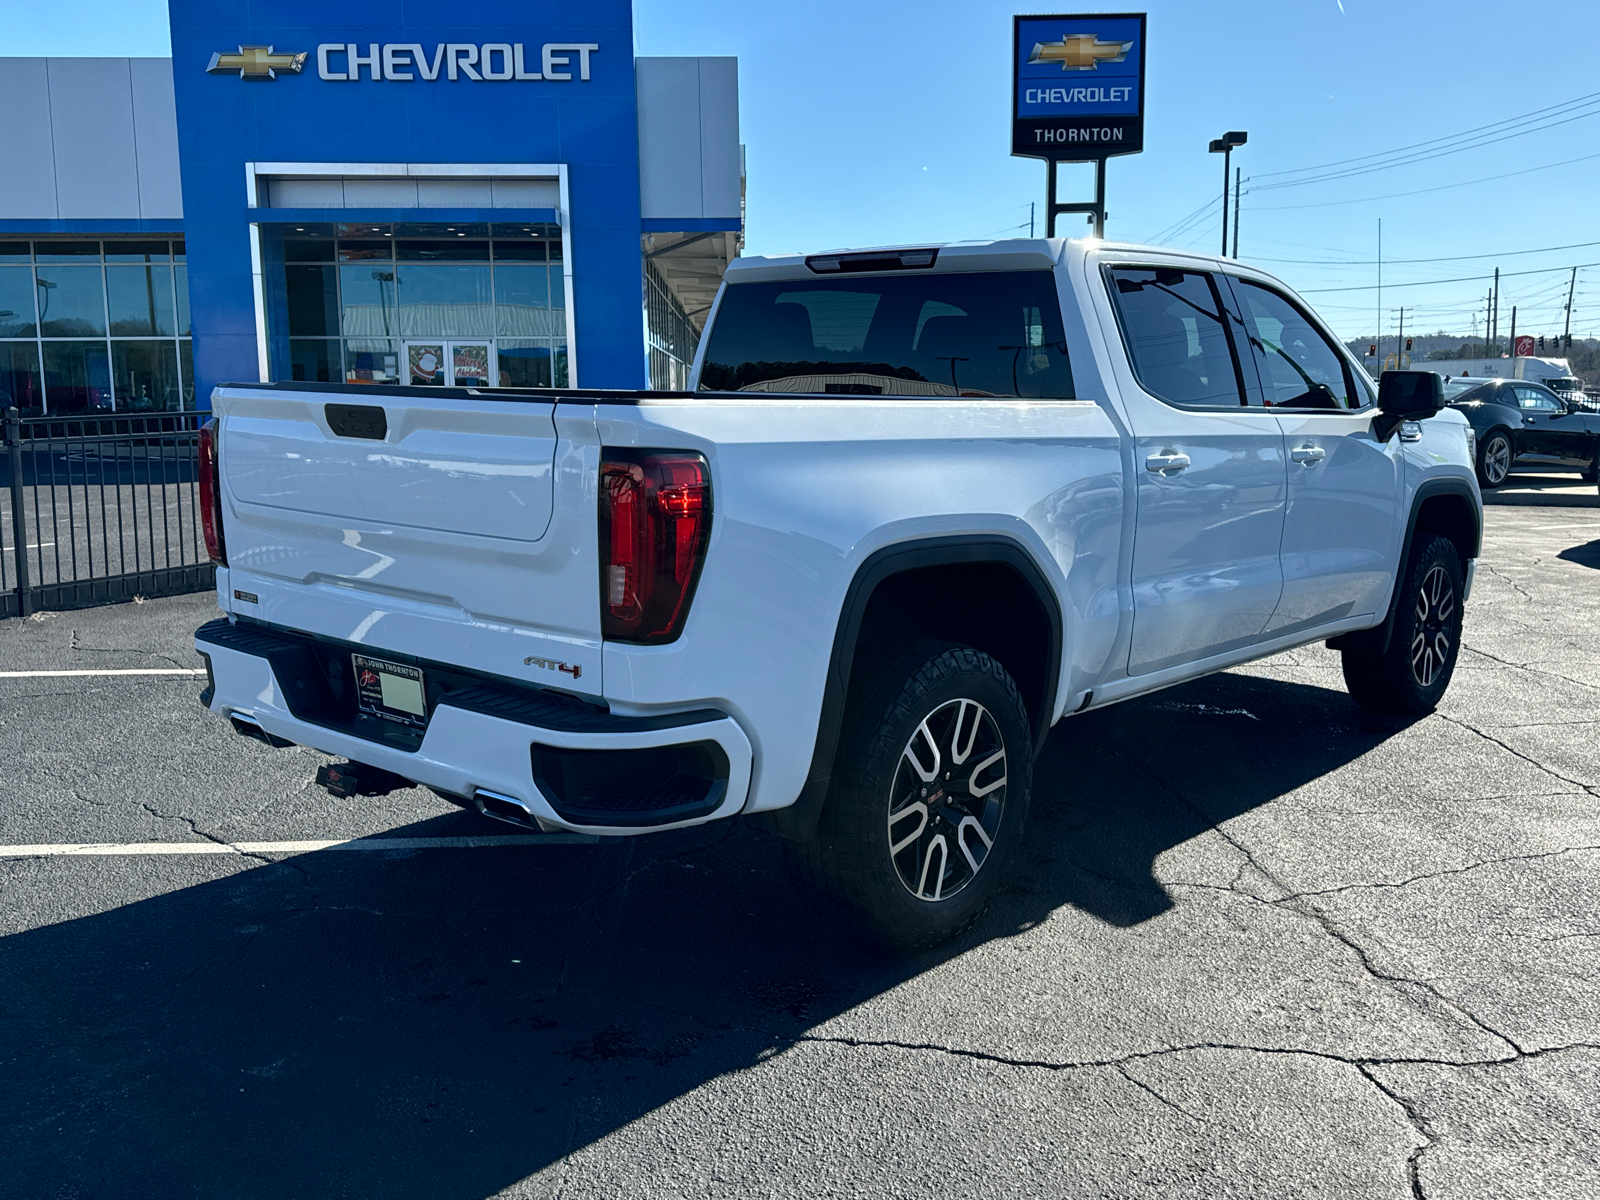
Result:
<point x="1406" y="396"/>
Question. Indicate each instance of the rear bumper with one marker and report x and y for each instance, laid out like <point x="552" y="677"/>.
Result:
<point x="484" y="738"/>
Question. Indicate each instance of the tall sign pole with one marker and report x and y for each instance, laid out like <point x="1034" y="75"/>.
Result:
<point x="1077" y="95"/>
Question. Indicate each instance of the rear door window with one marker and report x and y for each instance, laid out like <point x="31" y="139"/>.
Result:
<point x="1172" y="321"/>
<point x="981" y="335"/>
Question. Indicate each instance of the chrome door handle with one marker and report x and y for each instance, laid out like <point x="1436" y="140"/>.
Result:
<point x="1530" y="420"/>
<point x="1168" y="462"/>
<point x="1308" y="456"/>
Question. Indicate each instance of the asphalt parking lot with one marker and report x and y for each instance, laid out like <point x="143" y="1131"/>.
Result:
<point x="1260" y="945"/>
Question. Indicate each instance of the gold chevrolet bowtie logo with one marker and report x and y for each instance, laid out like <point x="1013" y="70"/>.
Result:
<point x="255" y="62"/>
<point x="1079" y="52"/>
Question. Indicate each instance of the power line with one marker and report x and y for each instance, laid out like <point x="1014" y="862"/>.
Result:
<point x="1183" y="223"/>
<point x="1417" y="158"/>
<point x="1443" y="147"/>
<point x="1443" y="187"/>
<point x="1367" y="287"/>
<point x="1592" y="96"/>
<point x="1330" y="262"/>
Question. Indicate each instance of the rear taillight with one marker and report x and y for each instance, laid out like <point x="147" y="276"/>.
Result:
<point x="211" y="494"/>
<point x="655" y="521"/>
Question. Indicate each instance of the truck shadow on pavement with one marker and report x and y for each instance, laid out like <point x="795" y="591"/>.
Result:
<point x="443" y="1024"/>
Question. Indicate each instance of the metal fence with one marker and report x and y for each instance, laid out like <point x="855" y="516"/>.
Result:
<point x="99" y="509"/>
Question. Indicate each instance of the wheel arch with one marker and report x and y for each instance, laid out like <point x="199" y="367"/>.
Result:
<point x="1444" y="507"/>
<point x="881" y="586"/>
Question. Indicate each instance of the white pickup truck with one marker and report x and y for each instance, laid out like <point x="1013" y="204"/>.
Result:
<point x="918" y="506"/>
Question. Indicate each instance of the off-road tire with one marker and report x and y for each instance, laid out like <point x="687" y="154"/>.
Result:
<point x="847" y="866"/>
<point x="1410" y="677"/>
<point x="1496" y="455"/>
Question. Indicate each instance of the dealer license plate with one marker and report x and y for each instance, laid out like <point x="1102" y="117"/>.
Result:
<point x="389" y="690"/>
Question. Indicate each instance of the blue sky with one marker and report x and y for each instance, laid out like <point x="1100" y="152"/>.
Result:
<point x="870" y="122"/>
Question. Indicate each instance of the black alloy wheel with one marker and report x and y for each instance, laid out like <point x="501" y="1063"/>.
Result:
<point x="1494" y="459"/>
<point x="1410" y="677"/>
<point x="929" y="796"/>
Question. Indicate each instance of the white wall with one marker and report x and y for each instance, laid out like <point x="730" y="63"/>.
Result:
<point x="688" y="137"/>
<point x="88" y="139"/>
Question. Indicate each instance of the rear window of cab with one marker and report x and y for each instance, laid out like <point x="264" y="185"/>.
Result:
<point x="980" y="335"/>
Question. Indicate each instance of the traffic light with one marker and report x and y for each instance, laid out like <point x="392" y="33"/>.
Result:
<point x="1569" y="342"/>
<point x="1541" y="343"/>
<point x="1408" y="345"/>
<point x="1372" y="349"/>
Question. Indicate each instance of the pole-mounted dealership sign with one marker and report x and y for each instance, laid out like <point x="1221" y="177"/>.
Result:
<point x="1077" y="94"/>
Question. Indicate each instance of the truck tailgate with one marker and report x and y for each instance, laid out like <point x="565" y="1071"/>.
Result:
<point x="418" y="521"/>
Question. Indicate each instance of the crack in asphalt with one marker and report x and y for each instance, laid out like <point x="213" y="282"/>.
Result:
<point x="1134" y="1056"/>
<point x="1145" y="1087"/>
<point x="1363" y="1066"/>
<point x="1514" y="585"/>
<point x="1400" y="883"/>
<point x="194" y="828"/>
<point x="74" y="644"/>
<point x="1528" y="667"/>
<point x="1418" y="1122"/>
<point x="1288" y="903"/>
<point x="1510" y="749"/>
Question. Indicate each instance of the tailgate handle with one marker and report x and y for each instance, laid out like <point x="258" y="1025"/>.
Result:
<point x="358" y="421"/>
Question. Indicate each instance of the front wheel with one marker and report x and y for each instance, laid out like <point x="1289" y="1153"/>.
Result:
<point x="1494" y="459"/>
<point x="1410" y="677"/>
<point x="929" y="797"/>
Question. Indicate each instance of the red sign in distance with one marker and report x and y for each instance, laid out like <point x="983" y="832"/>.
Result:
<point x="1524" y="347"/>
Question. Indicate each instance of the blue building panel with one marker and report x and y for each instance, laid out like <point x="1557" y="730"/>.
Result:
<point x="297" y="116"/>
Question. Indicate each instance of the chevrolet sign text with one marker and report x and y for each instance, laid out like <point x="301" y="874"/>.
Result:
<point x="491" y="62"/>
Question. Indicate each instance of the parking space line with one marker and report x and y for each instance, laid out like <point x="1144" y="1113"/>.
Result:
<point x="112" y="849"/>
<point x="186" y="671"/>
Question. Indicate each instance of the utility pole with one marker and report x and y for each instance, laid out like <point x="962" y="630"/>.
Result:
<point x="1237" y="183"/>
<point x="1379" y="334"/>
<point x="1571" y="288"/>
<point x="1513" y="331"/>
<point x="1400" y="342"/>
<point x="1488" y="307"/>
<point x="1495" y="320"/>
<point x="1030" y="218"/>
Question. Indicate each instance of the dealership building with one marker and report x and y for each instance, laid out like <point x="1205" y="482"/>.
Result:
<point x="474" y="193"/>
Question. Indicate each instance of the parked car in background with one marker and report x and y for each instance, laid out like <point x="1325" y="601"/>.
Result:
<point x="1527" y="424"/>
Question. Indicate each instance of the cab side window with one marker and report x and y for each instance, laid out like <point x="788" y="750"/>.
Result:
<point x="1299" y="367"/>
<point x="1172" y="322"/>
<point x="1533" y="398"/>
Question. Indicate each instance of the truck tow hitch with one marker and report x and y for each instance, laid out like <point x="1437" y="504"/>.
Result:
<point x="358" y="779"/>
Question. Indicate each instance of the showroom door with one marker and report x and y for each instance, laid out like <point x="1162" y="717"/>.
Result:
<point x="450" y="364"/>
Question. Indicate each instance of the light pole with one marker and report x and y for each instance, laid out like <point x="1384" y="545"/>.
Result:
<point x="1224" y="146"/>
<point x="384" y="277"/>
<point x="48" y="287"/>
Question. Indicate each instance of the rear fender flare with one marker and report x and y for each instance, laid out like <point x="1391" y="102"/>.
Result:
<point x="799" y="820"/>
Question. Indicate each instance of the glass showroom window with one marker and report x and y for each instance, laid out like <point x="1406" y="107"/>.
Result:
<point x="91" y="327"/>
<point x="425" y="304"/>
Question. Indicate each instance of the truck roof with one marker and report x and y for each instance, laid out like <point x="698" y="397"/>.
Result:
<point x="999" y="254"/>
